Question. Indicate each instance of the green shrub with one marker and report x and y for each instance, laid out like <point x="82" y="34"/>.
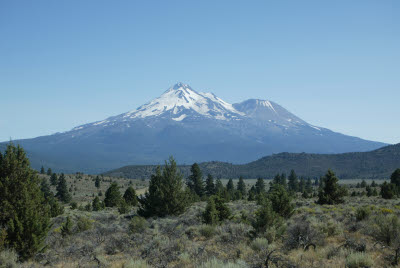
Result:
<point x="84" y="224"/>
<point x="386" y="229"/>
<point x="215" y="263"/>
<point x="259" y="244"/>
<point x="137" y="224"/>
<point x="136" y="264"/>
<point x="8" y="259"/>
<point x="265" y="218"/>
<point x="66" y="228"/>
<point x="358" y="260"/>
<point x="207" y="231"/>
<point x="123" y="207"/>
<point x="362" y="213"/>
<point x="74" y="205"/>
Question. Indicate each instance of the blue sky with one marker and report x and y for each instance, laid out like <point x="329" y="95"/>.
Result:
<point x="335" y="64"/>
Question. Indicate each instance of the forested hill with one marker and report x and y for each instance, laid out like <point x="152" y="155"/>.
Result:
<point x="377" y="164"/>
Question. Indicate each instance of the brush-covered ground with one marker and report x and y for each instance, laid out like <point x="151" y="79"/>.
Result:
<point x="362" y="232"/>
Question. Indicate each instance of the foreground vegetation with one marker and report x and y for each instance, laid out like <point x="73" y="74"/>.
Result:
<point x="88" y="221"/>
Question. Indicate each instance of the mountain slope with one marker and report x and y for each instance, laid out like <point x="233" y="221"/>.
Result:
<point x="377" y="164"/>
<point x="192" y="126"/>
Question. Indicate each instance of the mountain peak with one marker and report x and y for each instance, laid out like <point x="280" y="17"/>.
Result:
<point x="180" y="85"/>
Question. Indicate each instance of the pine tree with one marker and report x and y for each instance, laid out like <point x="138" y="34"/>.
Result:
<point x="265" y="218"/>
<point x="62" y="190"/>
<point x="45" y="188"/>
<point x="210" y="187"/>
<point x="195" y="180"/>
<point x="53" y="179"/>
<point x="97" y="182"/>
<point x="230" y="188"/>
<point x="112" y="196"/>
<point x="308" y="187"/>
<point x="260" y="186"/>
<point x="66" y="228"/>
<point x="331" y="192"/>
<point x="219" y="187"/>
<point x="96" y="205"/>
<point x="302" y="185"/>
<point x="293" y="184"/>
<point x="241" y="187"/>
<point x="165" y="195"/>
<point x="281" y="201"/>
<point x="130" y="196"/>
<point x="24" y="213"/>
<point x="395" y="179"/>
<point x="210" y="215"/>
<point x="42" y="170"/>
<point x="388" y="190"/>
<point x="49" y="172"/>
<point x="224" y="212"/>
<point x="252" y="193"/>
<point x="363" y="184"/>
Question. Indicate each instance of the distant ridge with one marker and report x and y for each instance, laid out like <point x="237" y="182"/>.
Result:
<point x="377" y="164"/>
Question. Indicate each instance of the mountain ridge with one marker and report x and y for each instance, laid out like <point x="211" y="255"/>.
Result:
<point x="377" y="164"/>
<point x="194" y="127"/>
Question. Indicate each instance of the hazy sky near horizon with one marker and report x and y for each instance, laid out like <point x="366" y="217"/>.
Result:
<point x="335" y="64"/>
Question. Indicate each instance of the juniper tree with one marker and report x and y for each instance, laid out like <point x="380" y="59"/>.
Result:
<point x="96" y="205"/>
<point x="388" y="190"/>
<point x="195" y="180"/>
<point x="260" y="186"/>
<point x="281" y="201"/>
<point x="42" y="170"/>
<point x="53" y="179"/>
<point x="330" y="191"/>
<point x="97" y="182"/>
<point x="130" y="196"/>
<point x="210" y="215"/>
<point x="230" y="188"/>
<point x="241" y="187"/>
<point x="395" y="179"/>
<point x="165" y="195"/>
<point x="302" y="185"/>
<point x="62" y="190"/>
<point x="293" y="183"/>
<point x="49" y="172"/>
<point x="265" y="218"/>
<point x="210" y="187"/>
<point x="219" y="187"/>
<point x="24" y="213"/>
<point x="112" y="196"/>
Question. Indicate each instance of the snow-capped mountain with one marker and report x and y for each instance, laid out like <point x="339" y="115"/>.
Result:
<point x="192" y="126"/>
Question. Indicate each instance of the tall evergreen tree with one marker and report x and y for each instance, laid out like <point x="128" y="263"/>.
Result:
<point x="49" y="172"/>
<point x="210" y="187"/>
<point x="281" y="201"/>
<point x="293" y="184"/>
<point x="230" y="188"/>
<point x="23" y="210"/>
<point x="388" y="190"/>
<point x="53" y="179"/>
<point x="219" y="187"/>
<point x="330" y="191"/>
<point x="395" y="179"/>
<point x="210" y="215"/>
<point x="96" y="205"/>
<point x="195" y="180"/>
<point x="97" y="182"/>
<point x="42" y="170"/>
<point x="130" y="196"/>
<point x="62" y="190"/>
<point x="302" y="185"/>
<point x="241" y="187"/>
<point x="45" y="188"/>
<point x="308" y="187"/>
<point x="112" y="196"/>
<point x="165" y="195"/>
<point x="260" y="186"/>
